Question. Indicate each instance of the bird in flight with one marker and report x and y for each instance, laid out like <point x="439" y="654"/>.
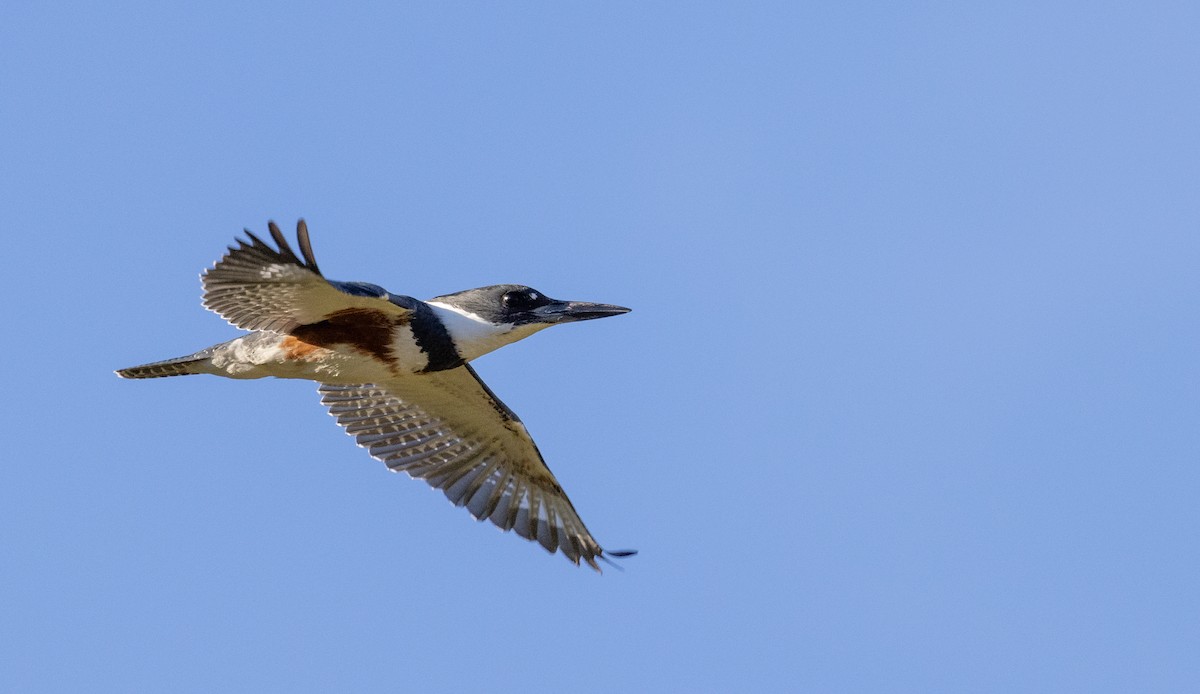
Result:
<point x="394" y="372"/>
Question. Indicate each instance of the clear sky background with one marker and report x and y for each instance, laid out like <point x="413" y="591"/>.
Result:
<point x="908" y="401"/>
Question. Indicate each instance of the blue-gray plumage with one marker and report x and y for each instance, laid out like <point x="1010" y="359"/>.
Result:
<point x="394" y="372"/>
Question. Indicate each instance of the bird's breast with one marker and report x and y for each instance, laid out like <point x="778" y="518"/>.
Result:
<point x="352" y="345"/>
<point x="387" y="339"/>
<point x="368" y="331"/>
<point x="343" y="348"/>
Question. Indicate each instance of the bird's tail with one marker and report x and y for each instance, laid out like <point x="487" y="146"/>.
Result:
<point x="179" y="366"/>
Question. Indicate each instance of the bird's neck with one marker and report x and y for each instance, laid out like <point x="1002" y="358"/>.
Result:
<point x="474" y="336"/>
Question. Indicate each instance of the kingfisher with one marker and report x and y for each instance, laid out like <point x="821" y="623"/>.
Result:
<point x="394" y="372"/>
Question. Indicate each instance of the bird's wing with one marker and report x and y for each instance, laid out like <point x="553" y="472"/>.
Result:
<point x="450" y="430"/>
<point x="257" y="287"/>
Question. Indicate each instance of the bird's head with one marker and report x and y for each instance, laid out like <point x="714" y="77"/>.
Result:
<point x="481" y="320"/>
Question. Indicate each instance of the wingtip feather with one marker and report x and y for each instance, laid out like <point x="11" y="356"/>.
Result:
<point x="306" y="245"/>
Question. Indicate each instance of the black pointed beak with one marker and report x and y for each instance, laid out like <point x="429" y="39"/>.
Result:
<point x="570" y="311"/>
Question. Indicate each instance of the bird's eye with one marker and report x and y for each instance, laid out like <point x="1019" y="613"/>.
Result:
<point x="522" y="300"/>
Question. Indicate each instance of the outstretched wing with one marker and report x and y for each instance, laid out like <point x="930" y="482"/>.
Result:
<point x="257" y="287"/>
<point x="450" y="430"/>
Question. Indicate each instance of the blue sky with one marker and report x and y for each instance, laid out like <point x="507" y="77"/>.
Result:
<point x="908" y="400"/>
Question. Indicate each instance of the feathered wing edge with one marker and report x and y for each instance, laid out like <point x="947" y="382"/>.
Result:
<point x="474" y="469"/>
<point x="255" y="286"/>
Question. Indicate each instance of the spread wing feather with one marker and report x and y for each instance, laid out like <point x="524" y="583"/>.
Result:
<point x="258" y="287"/>
<point x="450" y="430"/>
